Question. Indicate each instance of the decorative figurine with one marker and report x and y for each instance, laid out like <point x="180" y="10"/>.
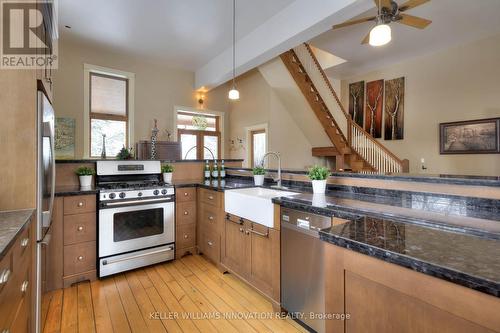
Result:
<point x="154" y="137"/>
<point x="103" y="153"/>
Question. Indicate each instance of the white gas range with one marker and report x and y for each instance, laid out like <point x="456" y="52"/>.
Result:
<point x="136" y="216"/>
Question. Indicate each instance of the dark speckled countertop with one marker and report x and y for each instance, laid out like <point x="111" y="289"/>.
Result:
<point x="68" y="190"/>
<point x="457" y="256"/>
<point x="11" y="224"/>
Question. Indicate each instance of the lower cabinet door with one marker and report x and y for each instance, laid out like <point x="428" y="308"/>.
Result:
<point x="262" y="249"/>
<point x="233" y="252"/>
<point x="211" y="246"/>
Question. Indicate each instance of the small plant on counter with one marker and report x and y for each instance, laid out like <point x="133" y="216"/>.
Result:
<point x="318" y="173"/>
<point x="167" y="170"/>
<point x="85" y="175"/>
<point x="318" y="176"/>
<point x="124" y="154"/>
<point x="259" y="171"/>
<point x="258" y="175"/>
<point x="85" y="171"/>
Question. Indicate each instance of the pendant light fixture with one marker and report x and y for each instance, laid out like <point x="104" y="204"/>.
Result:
<point x="234" y="94"/>
<point x="381" y="33"/>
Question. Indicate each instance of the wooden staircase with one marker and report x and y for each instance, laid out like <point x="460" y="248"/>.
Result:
<point x="359" y="149"/>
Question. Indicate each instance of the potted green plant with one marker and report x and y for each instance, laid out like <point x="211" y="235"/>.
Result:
<point x="85" y="175"/>
<point x="125" y="154"/>
<point x="258" y="175"/>
<point x="318" y="176"/>
<point x="167" y="170"/>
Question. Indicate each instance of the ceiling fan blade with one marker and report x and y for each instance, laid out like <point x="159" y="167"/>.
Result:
<point x="348" y="23"/>
<point x="414" y="21"/>
<point x="366" y="39"/>
<point x="411" y="4"/>
<point x="383" y="3"/>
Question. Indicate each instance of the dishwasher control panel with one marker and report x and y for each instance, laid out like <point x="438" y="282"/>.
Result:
<point x="304" y="220"/>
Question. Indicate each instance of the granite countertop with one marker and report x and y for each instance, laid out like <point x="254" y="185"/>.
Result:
<point x="434" y="249"/>
<point x="493" y="181"/>
<point x="467" y="260"/>
<point x="217" y="185"/>
<point x="69" y="190"/>
<point x="11" y="224"/>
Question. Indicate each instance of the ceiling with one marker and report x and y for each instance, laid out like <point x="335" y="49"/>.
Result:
<point x="180" y="33"/>
<point x="454" y="22"/>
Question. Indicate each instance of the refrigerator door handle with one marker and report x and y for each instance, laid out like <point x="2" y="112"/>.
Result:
<point x="47" y="215"/>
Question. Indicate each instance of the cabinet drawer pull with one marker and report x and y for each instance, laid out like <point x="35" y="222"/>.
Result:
<point x="211" y="218"/>
<point x="24" y="286"/>
<point x="242" y="230"/>
<point x="186" y="236"/>
<point x="4" y="276"/>
<point x="210" y="197"/>
<point x="80" y="258"/>
<point x="258" y="233"/>
<point x="210" y="243"/>
<point x="186" y="212"/>
<point x="186" y="194"/>
<point x="240" y="221"/>
<point x="25" y="242"/>
<point x="80" y="204"/>
<point x="80" y="228"/>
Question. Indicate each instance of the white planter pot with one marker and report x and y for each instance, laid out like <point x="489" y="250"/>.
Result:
<point x="319" y="186"/>
<point x="319" y="200"/>
<point x="167" y="177"/>
<point x="258" y="180"/>
<point x="85" y="181"/>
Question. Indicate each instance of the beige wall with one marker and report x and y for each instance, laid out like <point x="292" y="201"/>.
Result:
<point x="157" y="89"/>
<point x="460" y="83"/>
<point x="259" y="104"/>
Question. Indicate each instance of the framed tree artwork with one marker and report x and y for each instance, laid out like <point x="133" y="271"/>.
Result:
<point x="394" y="109"/>
<point x="356" y="101"/>
<point x="373" y="110"/>
<point x="470" y="137"/>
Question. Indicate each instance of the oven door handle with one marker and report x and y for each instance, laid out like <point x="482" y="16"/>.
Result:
<point x="119" y="203"/>
<point x="109" y="262"/>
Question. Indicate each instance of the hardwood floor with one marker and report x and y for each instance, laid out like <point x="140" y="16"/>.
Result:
<point x="186" y="295"/>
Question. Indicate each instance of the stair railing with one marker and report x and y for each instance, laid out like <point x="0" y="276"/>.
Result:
<point x="372" y="151"/>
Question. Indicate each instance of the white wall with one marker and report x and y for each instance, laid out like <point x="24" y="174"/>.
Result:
<point x="157" y="89"/>
<point x="460" y="83"/>
<point x="259" y="104"/>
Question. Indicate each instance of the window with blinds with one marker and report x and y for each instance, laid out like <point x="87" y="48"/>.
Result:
<point x="108" y="113"/>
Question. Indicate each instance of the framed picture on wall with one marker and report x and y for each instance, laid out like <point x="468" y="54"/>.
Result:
<point x="470" y="137"/>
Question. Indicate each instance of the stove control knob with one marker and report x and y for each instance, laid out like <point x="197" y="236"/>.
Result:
<point x="164" y="191"/>
<point x="156" y="192"/>
<point x="139" y="194"/>
<point x="122" y="195"/>
<point x="112" y="195"/>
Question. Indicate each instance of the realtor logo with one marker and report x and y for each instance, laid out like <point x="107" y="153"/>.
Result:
<point x="28" y="34"/>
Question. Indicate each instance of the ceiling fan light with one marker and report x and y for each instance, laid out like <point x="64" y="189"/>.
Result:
<point x="233" y="94"/>
<point x="380" y="35"/>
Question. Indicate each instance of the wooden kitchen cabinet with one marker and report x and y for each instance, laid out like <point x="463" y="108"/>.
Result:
<point x="17" y="293"/>
<point x="400" y="299"/>
<point x="210" y="220"/>
<point x="233" y="254"/>
<point x="71" y="256"/>
<point x="185" y="221"/>
<point x="252" y="251"/>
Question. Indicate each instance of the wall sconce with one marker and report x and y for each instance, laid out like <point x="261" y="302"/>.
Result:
<point x="201" y="100"/>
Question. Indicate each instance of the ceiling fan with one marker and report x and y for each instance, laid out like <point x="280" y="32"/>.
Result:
<point x="389" y="11"/>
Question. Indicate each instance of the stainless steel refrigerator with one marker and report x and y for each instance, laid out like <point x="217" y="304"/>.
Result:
<point x="45" y="194"/>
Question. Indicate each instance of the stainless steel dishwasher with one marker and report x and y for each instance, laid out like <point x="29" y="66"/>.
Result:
<point x="302" y="271"/>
